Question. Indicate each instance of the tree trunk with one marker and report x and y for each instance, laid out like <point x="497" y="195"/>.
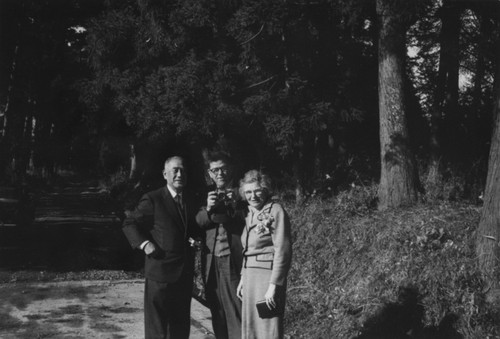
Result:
<point x="31" y="161"/>
<point x="133" y="163"/>
<point x="298" y="170"/>
<point x="27" y="141"/>
<point x="6" y="145"/>
<point x="446" y="97"/>
<point x="485" y="33"/>
<point x="9" y="90"/>
<point x="488" y="233"/>
<point x="397" y="179"/>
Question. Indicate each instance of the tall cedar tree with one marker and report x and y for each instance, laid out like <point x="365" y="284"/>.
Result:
<point x="446" y="95"/>
<point x="488" y="233"/>
<point x="398" y="172"/>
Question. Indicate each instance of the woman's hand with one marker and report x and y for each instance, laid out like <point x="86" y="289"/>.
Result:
<point x="269" y="296"/>
<point x="239" y="290"/>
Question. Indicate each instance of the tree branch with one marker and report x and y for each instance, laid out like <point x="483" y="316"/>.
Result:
<point x="261" y="82"/>
<point x="253" y="37"/>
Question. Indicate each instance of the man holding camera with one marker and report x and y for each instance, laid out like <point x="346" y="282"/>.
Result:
<point x="223" y="221"/>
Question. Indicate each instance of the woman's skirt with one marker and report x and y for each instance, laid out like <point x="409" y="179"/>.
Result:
<point x="255" y="285"/>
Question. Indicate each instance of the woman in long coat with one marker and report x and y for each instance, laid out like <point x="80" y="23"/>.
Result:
<point x="267" y="251"/>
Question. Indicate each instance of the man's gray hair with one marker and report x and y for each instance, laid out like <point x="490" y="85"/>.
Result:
<point x="169" y="159"/>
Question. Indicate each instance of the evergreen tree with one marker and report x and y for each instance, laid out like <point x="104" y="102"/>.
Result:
<point x="488" y="232"/>
<point x="398" y="181"/>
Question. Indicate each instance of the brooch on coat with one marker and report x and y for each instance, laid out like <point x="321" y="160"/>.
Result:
<point x="264" y="225"/>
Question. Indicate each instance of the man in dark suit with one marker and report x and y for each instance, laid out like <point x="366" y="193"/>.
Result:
<point x="161" y="226"/>
<point x="223" y="221"/>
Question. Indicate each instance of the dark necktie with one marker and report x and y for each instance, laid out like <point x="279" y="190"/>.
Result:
<point x="178" y="202"/>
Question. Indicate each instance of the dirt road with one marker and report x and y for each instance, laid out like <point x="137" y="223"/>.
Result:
<point x="82" y="309"/>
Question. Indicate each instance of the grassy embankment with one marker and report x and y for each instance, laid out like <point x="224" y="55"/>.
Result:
<point x="400" y="272"/>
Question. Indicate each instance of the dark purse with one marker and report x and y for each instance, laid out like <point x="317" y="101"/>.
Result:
<point x="266" y="312"/>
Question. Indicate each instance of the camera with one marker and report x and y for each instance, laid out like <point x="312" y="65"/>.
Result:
<point x="222" y="196"/>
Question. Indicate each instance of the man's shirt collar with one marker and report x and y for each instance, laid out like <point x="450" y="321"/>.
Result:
<point x="173" y="192"/>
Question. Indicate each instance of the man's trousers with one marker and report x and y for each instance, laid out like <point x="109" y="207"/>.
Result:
<point x="221" y="296"/>
<point x="167" y="308"/>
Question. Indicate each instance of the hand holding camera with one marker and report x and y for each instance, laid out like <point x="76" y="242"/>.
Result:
<point x="224" y="196"/>
<point x="211" y="200"/>
<point x="219" y="197"/>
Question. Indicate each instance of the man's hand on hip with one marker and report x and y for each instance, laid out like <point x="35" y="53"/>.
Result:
<point x="149" y="248"/>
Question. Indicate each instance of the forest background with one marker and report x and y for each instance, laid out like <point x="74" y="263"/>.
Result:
<point x="377" y="120"/>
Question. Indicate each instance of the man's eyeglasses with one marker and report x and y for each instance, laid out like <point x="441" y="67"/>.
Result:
<point x="217" y="170"/>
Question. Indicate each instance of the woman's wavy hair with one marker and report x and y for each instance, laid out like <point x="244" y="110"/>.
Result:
<point x="255" y="176"/>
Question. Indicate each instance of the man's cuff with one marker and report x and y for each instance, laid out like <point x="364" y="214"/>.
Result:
<point x="141" y="246"/>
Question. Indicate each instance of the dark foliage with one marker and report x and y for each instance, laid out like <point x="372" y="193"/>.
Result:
<point x="290" y="86"/>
